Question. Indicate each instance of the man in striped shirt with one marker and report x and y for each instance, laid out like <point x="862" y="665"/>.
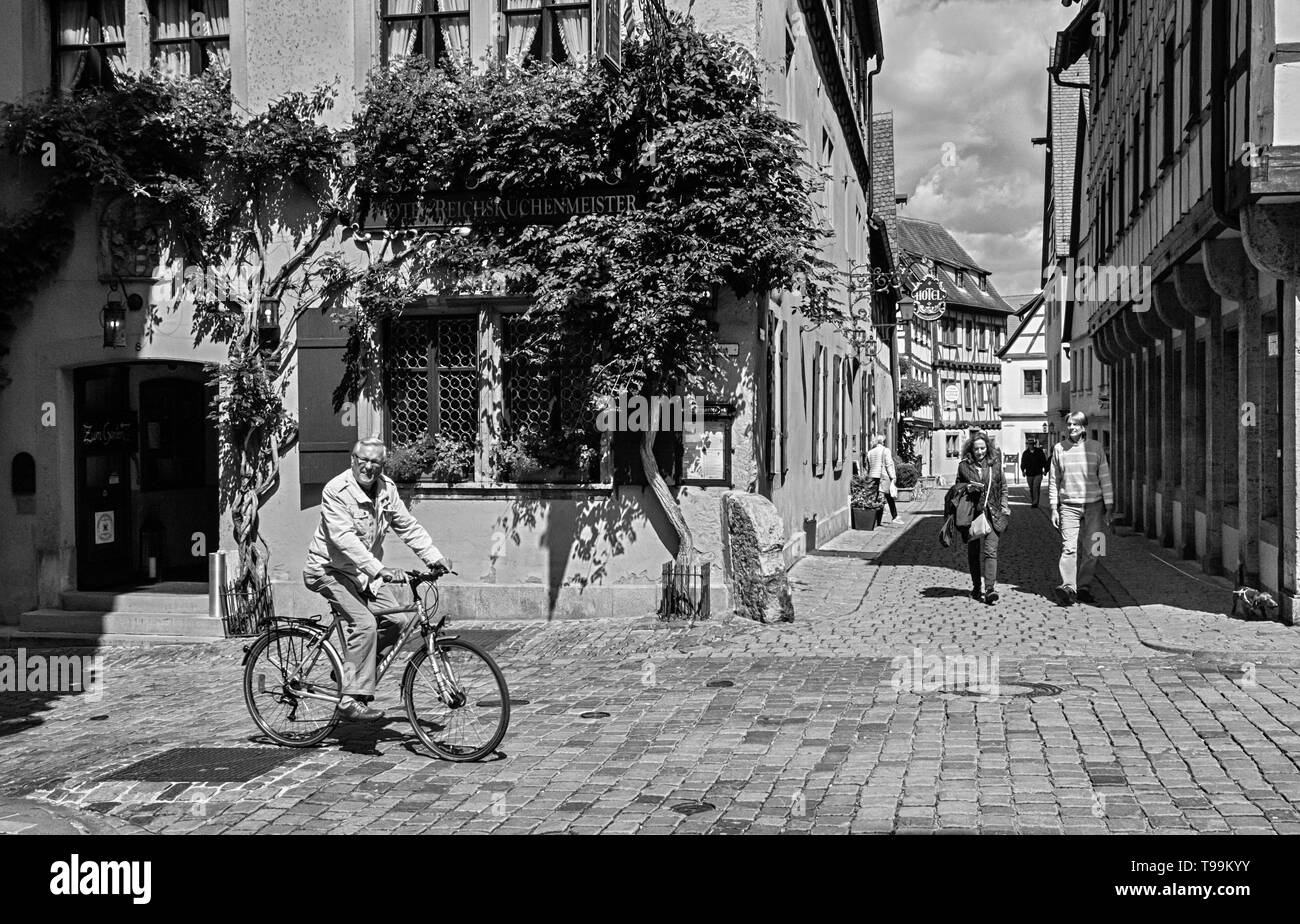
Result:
<point x="1081" y="499"/>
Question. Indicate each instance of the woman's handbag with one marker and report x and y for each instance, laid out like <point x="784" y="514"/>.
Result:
<point x="982" y="527"/>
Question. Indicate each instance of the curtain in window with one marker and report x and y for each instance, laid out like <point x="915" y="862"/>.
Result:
<point x="401" y="35"/>
<point x="455" y="32"/>
<point x="522" y="29"/>
<point x="575" y="32"/>
<point x="113" y="13"/>
<point x="74" y="29"/>
<point x="173" y="60"/>
<point x="218" y="14"/>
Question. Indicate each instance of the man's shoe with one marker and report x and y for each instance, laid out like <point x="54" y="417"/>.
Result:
<point x="354" y="709"/>
<point x="992" y="597"/>
<point x="977" y="594"/>
<point x="1065" y="595"/>
<point x="1084" y="595"/>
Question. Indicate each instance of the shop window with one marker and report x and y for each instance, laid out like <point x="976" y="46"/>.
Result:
<point x="438" y="29"/>
<point x="190" y="36"/>
<point x="542" y="30"/>
<point x="89" y="43"/>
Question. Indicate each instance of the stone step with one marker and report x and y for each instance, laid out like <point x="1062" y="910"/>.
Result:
<point x="135" y="601"/>
<point x="96" y="624"/>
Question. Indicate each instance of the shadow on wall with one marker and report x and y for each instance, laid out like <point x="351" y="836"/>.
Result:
<point x="582" y="538"/>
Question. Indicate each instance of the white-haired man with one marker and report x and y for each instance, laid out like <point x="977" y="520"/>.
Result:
<point x="345" y="566"/>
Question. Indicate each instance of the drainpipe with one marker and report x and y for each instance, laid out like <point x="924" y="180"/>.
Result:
<point x="871" y="136"/>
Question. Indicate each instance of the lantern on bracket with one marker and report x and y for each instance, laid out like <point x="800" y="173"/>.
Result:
<point x="112" y="318"/>
<point x="268" y="323"/>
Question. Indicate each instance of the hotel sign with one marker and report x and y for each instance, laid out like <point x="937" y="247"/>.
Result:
<point x="931" y="303"/>
<point x="541" y="208"/>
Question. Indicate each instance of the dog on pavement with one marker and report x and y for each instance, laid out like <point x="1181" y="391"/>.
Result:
<point x="1249" y="603"/>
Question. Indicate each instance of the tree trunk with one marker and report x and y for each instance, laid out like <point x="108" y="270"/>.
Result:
<point x="686" y="551"/>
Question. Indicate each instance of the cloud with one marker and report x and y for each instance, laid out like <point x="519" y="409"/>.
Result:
<point x="972" y="75"/>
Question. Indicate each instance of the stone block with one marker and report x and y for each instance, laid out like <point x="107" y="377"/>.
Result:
<point x="755" y="542"/>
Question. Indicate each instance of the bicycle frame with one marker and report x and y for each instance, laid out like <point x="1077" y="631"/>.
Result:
<point x="420" y="623"/>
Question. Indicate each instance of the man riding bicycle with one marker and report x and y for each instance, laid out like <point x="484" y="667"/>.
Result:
<point x="344" y="565"/>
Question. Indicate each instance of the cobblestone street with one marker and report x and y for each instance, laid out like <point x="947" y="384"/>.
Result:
<point x="1151" y="711"/>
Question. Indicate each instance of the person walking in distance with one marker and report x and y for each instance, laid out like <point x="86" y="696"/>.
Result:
<point x="1033" y="463"/>
<point x="1082" y="500"/>
<point x="981" y="497"/>
<point x="880" y="466"/>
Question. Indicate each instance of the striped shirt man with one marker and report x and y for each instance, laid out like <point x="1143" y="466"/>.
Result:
<point x="1080" y="475"/>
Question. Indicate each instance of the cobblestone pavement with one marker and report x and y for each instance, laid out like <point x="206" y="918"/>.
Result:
<point x="1138" y="714"/>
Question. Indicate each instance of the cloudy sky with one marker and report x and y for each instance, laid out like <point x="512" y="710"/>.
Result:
<point x="973" y="74"/>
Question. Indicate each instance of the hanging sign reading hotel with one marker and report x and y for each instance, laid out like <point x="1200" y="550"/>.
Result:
<point x="930" y="300"/>
<point x="540" y="208"/>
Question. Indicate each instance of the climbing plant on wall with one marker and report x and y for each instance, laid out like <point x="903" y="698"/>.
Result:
<point x="221" y="187"/>
<point x="724" y="195"/>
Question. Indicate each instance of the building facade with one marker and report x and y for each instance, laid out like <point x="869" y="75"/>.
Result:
<point x="123" y="462"/>
<point x="1193" y="141"/>
<point x="1024" y="374"/>
<point x="965" y="342"/>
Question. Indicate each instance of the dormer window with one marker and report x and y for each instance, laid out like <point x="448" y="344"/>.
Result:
<point x="960" y="276"/>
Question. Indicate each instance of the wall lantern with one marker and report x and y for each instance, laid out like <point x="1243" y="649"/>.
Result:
<point x="905" y="308"/>
<point x="268" y="323"/>
<point x="112" y="318"/>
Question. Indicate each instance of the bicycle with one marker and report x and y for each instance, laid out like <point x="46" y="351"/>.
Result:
<point x="455" y="694"/>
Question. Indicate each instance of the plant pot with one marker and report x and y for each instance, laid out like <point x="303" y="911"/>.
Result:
<point x="904" y="494"/>
<point x="867" y="517"/>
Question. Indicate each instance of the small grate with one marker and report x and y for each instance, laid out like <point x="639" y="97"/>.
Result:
<point x="693" y="808"/>
<point x="204" y="765"/>
<point x="720" y="683"/>
<point x="594" y="715"/>
<point x="97" y="718"/>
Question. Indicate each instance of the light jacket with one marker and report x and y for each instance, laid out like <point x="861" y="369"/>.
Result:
<point x="880" y="463"/>
<point x="350" y="536"/>
<point x="985" y="486"/>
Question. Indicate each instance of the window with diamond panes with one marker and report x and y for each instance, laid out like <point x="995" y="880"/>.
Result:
<point x="544" y="398"/>
<point x="433" y="378"/>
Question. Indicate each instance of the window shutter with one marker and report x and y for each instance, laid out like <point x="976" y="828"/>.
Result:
<point x="607" y="31"/>
<point x="785" y="462"/>
<point x="324" y="441"/>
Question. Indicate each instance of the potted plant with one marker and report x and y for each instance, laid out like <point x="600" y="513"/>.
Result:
<point x="907" y="474"/>
<point x="533" y="455"/>
<point x="866" y="505"/>
<point x="441" y="458"/>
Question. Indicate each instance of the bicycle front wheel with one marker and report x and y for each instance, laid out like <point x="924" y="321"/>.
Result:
<point x="293" y="681"/>
<point x="467" y="719"/>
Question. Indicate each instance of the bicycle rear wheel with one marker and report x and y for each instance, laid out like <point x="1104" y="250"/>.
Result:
<point x="472" y="724"/>
<point x="282" y="667"/>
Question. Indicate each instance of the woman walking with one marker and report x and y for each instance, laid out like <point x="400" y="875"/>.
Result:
<point x="981" y="486"/>
<point x="880" y="466"/>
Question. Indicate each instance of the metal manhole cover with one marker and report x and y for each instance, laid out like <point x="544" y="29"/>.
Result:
<point x="204" y="765"/>
<point x="594" y="715"/>
<point x="693" y="808"/>
<point x="1010" y="689"/>
<point x="720" y="683"/>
